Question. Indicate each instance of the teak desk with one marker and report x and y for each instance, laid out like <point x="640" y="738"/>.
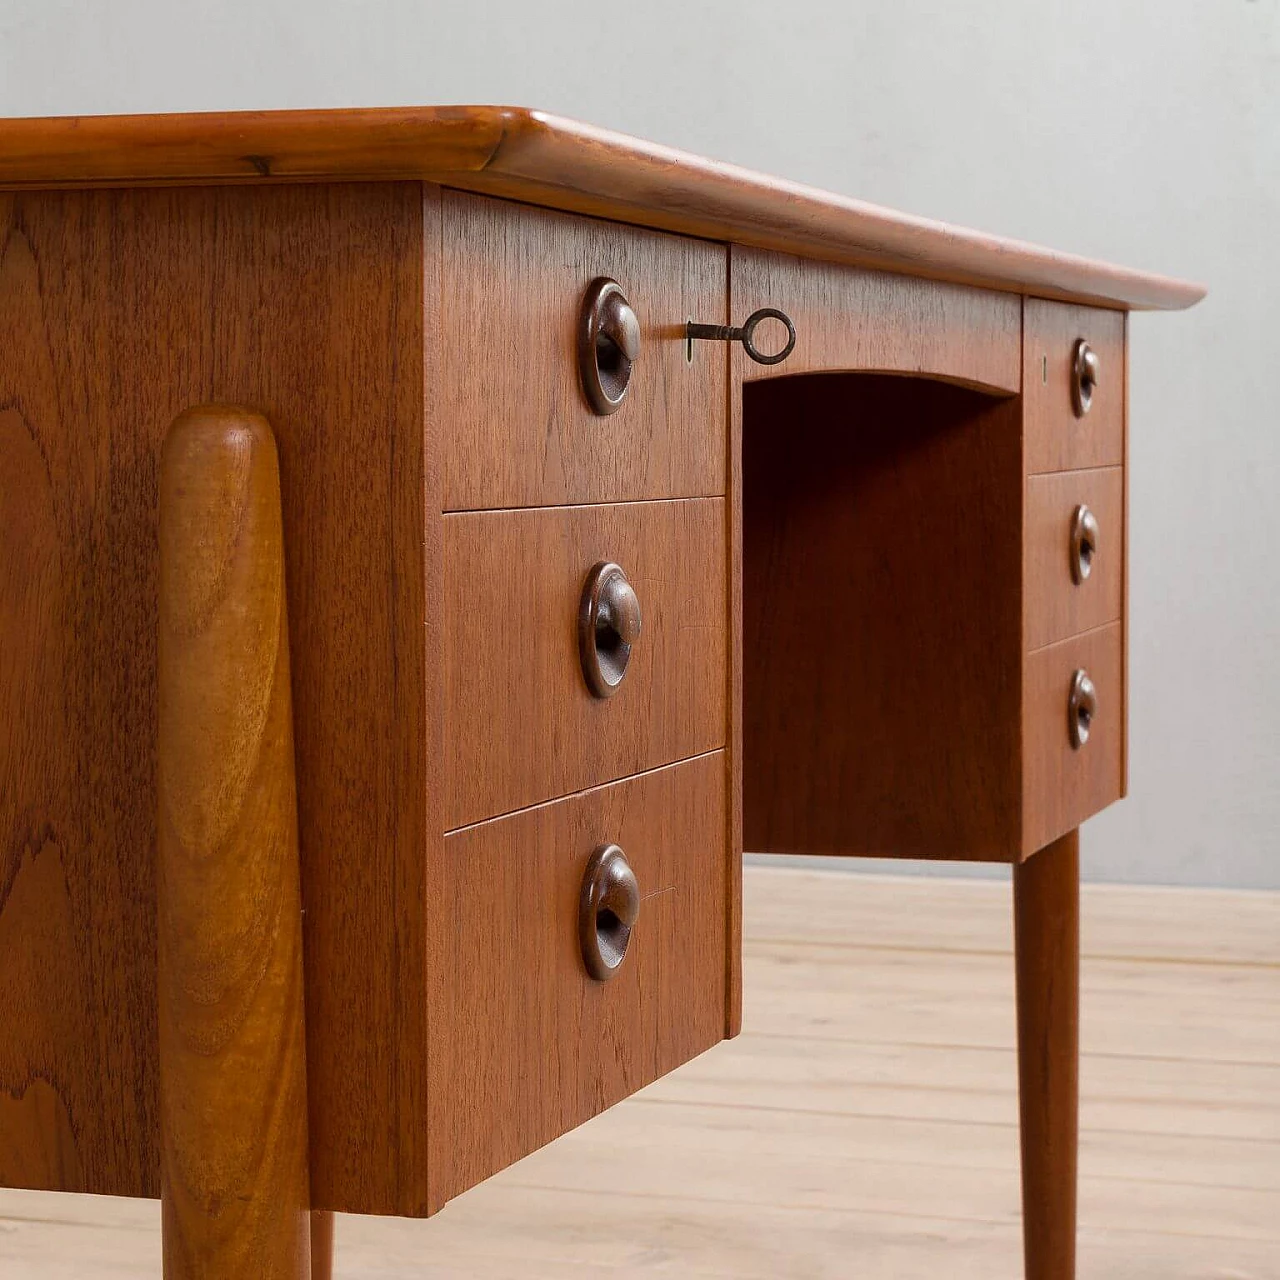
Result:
<point x="578" y="604"/>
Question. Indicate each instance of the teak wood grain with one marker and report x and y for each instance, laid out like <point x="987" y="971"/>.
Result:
<point x="1062" y="786"/>
<point x="838" y="602"/>
<point x="1057" y="606"/>
<point x="119" y="310"/>
<point x="548" y="160"/>
<point x="868" y="321"/>
<point x="809" y="1111"/>
<point x="232" y="1041"/>
<point x="1056" y="439"/>
<point x="322" y="1241"/>
<point x="528" y="1045"/>
<point x="882" y="618"/>
<point x="522" y="724"/>
<point x="1124" y="576"/>
<point x="733" y="695"/>
<point x="1046" y="915"/>
<point x="517" y="430"/>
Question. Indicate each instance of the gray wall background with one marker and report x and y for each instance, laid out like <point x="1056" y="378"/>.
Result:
<point x="1147" y="133"/>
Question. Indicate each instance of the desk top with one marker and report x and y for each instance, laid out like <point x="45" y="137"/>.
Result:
<point x="547" y="160"/>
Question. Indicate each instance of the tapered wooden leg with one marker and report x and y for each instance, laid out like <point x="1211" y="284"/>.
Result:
<point x="233" y="1095"/>
<point x="321" y="1245"/>
<point x="1046" y="913"/>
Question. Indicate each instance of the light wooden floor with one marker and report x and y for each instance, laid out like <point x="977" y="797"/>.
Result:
<point x="864" y="1125"/>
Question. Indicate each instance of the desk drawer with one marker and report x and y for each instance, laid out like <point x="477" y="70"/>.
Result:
<point x="1074" y="560"/>
<point x="1059" y="436"/>
<point x="859" y="320"/>
<point x="530" y="1045"/>
<point x="1063" y="784"/>
<point x="516" y="427"/>
<point x="522" y="723"/>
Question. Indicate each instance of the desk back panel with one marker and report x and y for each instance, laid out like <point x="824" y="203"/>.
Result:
<point x="882" y="545"/>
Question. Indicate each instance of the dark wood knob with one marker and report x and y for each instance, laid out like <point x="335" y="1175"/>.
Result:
<point x="1082" y="707"/>
<point x="608" y="911"/>
<point x="1084" y="543"/>
<point x="608" y="627"/>
<point x="608" y="345"/>
<point x="1084" y="377"/>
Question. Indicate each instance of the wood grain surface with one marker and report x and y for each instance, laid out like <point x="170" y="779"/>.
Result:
<point x="882" y="618"/>
<point x="546" y="159"/>
<point x="1124" y="575"/>
<point x="517" y="430"/>
<point x="322" y="1244"/>
<point x="1057" y="440"/>
<point x="531" y="1046"/>
<point x="870" y="321"/>
<point x="120" y="309"/>
<point x="865" y="1124"/>
<point x="238" y="146"/>
<point x="521" y="723"/>
<point x="1046" y="914"/>
<point x="733" y="695"/>
<point x="232" y="1040"/>
<point x="1062" y="786"/>
<point x="1056" y="606"/>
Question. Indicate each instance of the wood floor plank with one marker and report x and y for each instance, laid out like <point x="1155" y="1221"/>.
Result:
<point x="1201" y="925"/>
<point x="865" y="1123"/>
<point x="964" y="999"/>
<point x="823" y="1173"/>
<point x="1208" y="1099"/>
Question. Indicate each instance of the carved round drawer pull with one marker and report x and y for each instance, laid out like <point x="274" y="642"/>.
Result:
<point x="607" y="911"/>
<point x="608" y="626"/>
<point x="1082" y="707"/>
<point x="1084" y="543"/>
<point x="608" y="345"/>
<point x="1084" y="377"/>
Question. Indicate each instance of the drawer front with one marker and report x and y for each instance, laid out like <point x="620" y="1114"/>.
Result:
<point x="528" y="1045"/>
<point x="1062" y="784"/>
<point x="1067" y="513"/>
<point x="522" y="723"/>
<point x="1057" y="437"/>
<point x="516" y="427"/>
<point x="849" y="318"/>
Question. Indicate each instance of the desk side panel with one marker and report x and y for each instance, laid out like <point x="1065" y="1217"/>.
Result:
<point x="119" y="309"/>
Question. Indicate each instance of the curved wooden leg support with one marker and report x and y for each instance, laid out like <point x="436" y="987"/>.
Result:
<point x="1046" y="914"/>
<point x="233" y="1094"/>
<point x="321" y="1245"/>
